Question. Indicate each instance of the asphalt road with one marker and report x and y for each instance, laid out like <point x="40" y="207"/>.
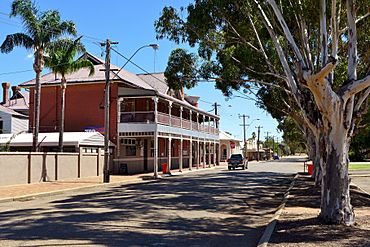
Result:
<point x="213" y="207"/>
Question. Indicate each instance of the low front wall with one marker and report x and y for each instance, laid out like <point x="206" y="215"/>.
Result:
<point x="124" y="166"/>
<point x="22" y="168"/>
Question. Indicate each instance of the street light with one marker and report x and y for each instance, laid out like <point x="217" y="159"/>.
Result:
<point x="154" y="46"/>
<point x="106" y="176"/>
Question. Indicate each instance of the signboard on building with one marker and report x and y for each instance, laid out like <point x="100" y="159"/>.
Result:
<point x="232" y="145"/>
<point x="99" y="129"/>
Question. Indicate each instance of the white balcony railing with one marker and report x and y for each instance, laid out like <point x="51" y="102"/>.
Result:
<point x="165" y="119"/>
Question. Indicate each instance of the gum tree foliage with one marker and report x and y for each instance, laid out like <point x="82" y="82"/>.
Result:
<point x="40" y="29"/>
<point x="311" y="56"/>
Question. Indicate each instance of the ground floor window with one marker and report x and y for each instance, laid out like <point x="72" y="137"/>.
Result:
<point x="129" y="146"/>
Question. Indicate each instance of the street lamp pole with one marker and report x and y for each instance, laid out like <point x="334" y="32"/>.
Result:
<point x="107" y="44"/>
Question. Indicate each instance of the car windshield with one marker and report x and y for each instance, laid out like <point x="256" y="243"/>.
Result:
<point x="236" y="157"/>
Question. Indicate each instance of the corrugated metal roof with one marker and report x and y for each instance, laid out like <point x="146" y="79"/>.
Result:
<point x="156" y="81"/>
<point x="11" y="112"/>
<point x="51" y="139"/>
<point x="227" y="136"/>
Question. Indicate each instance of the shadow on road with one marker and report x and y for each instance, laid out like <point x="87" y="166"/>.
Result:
<point x="205" y="209"/>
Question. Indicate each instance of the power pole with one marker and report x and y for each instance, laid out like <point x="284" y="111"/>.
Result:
<point x="258" y="142"/>
<point x="273" y="145"/>
<point x="267" y="138"/>
<point x="245" y="134"/>
<point x="106" y="177"/>
<point x="216" y="112"/>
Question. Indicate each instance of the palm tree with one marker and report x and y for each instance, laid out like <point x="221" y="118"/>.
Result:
<point x="61" y="61"/>
<point x="41" y="28"/>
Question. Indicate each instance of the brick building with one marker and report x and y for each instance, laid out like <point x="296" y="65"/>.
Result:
<point x="149" y="125"/>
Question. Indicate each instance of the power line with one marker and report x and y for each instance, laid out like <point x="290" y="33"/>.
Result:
<point x="18" y="24"/>
<point x="136" y="65"/>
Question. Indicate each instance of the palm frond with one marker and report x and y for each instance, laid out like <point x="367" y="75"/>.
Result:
<point x="28" y="12"/>
<point x="82" y="63"/>
<point x="16" y="39"/>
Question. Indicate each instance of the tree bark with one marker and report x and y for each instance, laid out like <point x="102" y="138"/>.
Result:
<point x="336" y="205"/>
<point x="37" y="67"/>
<point x="62" y="112"/>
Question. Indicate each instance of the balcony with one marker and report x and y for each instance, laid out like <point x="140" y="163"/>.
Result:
<point x="165" y="119"/>
<point x="137" y="117"/>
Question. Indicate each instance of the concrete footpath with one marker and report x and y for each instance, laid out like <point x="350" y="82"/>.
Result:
<point x="25" y="191"/>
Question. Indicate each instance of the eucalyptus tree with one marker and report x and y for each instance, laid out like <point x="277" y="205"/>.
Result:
<point x="61" y="60"/>
<point x="40" y="29"/>
<point x="314" y="53"/>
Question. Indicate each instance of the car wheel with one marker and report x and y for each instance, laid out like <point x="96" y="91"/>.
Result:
<point x="229" y="168"/>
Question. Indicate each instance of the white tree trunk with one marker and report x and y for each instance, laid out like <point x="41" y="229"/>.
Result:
<point x="336" y="205"/>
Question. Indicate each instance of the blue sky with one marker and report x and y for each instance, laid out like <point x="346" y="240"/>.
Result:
<point x="131" y="23"/>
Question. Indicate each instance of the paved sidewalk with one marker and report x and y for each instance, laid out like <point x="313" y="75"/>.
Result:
<point x="19" y="192"/>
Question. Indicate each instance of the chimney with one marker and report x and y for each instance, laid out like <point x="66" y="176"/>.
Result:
<point x="6" y="86"/>
<point x="15" y="89"/>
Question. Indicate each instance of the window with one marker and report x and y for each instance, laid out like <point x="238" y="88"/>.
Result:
<point x="128" y="105"/>
<point x="152" y="148"/>
<point x="129" y="147"/>
<point x="1" y="126"/>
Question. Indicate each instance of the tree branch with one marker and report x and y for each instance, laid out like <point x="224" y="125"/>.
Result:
<point x="260" y="44"/>
<point x="287" y="32"/>
<point x="355" y="87"/>
<point x="362" y="99"/>
<point x="290" y="79"/>
<point x="352" y="41"/>
<point x="357" y="21"/>
<point x="323" y="33"/>
<point x="324" y="72"/>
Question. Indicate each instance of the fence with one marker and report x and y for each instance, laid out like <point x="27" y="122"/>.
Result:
<point x="25" y="167"/>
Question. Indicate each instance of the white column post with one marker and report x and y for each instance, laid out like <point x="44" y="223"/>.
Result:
<point x="169" y="111"/>
<point x="209" y="154"/>
<point x="181" y="142"/>
<point x="191" y="120"/>
<point x="209" y="126"/>
<point x="214" y="153"/>
<point x="204" y="154"/>
<point x="181" y="108"/>
<point x="181" y="158"/>
<point x="191" y="154"/>
<point x="198" y="154"/>
<point x="155" y="99"/>
<point x="169" y="153"/>
<point x="118" y="151"/>
<point x="198" y="121"/>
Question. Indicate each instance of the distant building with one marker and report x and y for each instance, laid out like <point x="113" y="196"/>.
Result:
<point x="229" y="145"/>
<point x="19" y="101"/>
<point x="12" y="122"/>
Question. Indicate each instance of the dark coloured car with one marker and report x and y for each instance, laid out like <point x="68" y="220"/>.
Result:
<point x="237" y="160"/>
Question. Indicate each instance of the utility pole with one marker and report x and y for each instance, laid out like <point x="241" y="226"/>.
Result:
<point x="258" y="142"/>
<point x="245" y="134"/>
<point x="273" y="145"/>
<point x="216" y="112"/>
<point x="106" y="177"/>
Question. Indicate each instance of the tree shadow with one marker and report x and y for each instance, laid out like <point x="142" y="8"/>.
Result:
<point x="304" y="227"/>
<point x="224" y="209"/>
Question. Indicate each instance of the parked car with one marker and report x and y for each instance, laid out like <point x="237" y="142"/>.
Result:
<point x="237" y="160"/>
